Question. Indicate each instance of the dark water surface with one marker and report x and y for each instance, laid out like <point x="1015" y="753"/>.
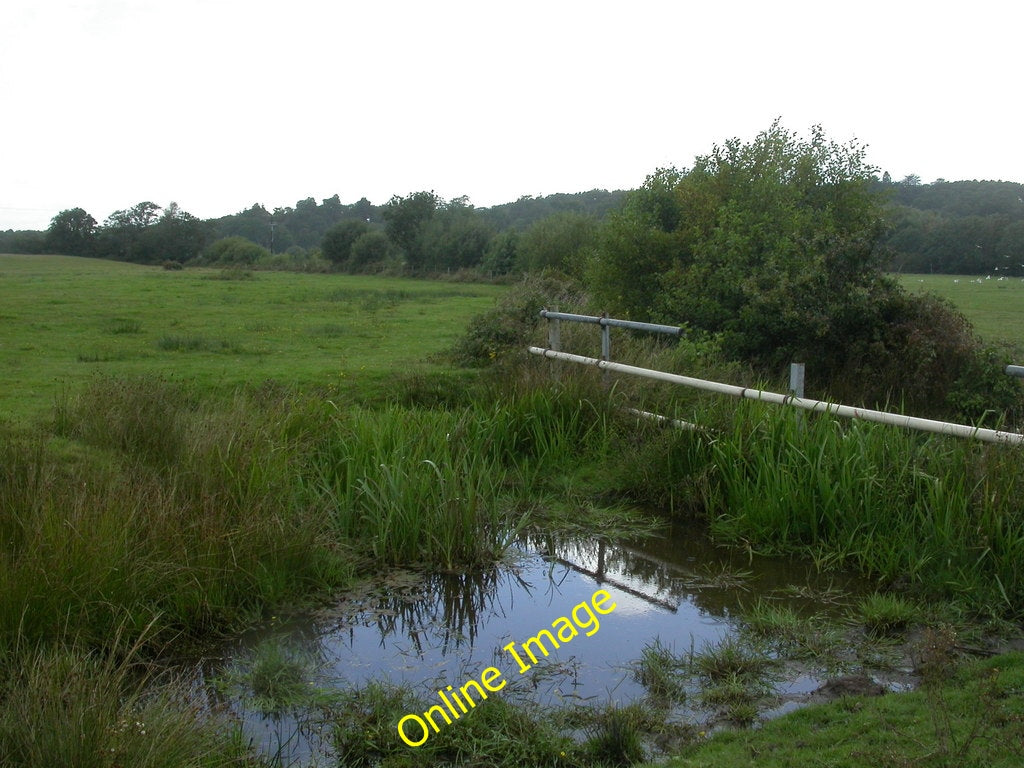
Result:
<point x="433" y="631"/>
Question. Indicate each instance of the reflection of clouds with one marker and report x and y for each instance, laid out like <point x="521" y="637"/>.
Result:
<point x="421" y="628"/>
<point x="627" y="605"/>
<point x="430" y="631"/>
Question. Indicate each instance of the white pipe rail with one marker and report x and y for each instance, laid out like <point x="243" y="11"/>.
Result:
<point x="821" y="406"/>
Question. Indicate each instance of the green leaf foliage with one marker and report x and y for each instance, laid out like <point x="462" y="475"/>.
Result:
<point x="772" y="244"/>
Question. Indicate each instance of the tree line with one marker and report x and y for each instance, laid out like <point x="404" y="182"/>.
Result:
<point x="960" y="227"/>
<point x="419" y="233"/>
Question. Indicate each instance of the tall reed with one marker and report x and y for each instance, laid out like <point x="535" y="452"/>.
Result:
<point x="439" y="487"/>
<point x="940" y="513"/>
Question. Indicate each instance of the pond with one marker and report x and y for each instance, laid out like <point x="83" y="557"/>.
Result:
<point x="674" y="591"/>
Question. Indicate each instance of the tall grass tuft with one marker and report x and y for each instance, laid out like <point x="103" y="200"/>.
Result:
<point x="199" y="524"/>
<point x="939" y="513"/>
<point x="68" y="706"/>
<point x="140" y="417"/>
<point x="440" y="487"/>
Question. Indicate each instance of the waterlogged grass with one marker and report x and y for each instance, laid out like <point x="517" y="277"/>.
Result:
<point x="662" y="672"/>
<point x="276" y="677"/>
<point x="973" y="718"/>
<point x="143" y="510"/>
<point x="73" y="707"/>
<point x="887" y="614"/>
<point x="495" y="733"/>
<point x="146" y="504"/>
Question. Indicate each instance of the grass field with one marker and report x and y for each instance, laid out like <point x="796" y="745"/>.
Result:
<point x="995" y="307"/>
<point x="65" y="319"/>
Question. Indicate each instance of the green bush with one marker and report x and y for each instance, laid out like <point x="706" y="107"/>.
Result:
<point x="234" y="251"/>
<point x="508" y="327"/>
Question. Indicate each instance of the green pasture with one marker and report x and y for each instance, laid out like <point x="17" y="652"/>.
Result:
<point x="994" y="306"/>
<point x="65" y="319"/>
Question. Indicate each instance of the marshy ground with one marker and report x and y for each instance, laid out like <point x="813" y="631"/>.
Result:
<point x="163" y="492"/>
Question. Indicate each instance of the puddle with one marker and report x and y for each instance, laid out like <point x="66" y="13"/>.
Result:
<point x="431" y="632"/>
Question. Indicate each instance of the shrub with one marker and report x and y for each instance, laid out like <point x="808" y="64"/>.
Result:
<point x="338" y="240"/>
<point x="924" y="353"/>
<point x="234" y="251"/>
<point x="507" y="328"/>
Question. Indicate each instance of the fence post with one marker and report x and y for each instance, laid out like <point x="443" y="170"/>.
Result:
<point x="555" y="343"/>
<point x="555" y="332"/>
<point x="796" y="388"/>
<point x="796" y="379"/>
<point x="606" y="345"/>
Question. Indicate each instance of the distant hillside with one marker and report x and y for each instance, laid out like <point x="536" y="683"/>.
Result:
<point x="958" y="227"/>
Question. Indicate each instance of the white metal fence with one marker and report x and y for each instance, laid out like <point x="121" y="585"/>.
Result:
<point x="554" y="352"/>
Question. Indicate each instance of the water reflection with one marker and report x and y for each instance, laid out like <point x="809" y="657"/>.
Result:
<point x="438" y="630"/>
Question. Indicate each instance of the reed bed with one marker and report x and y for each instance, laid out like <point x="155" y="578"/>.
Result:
<point x="936" y="514"/>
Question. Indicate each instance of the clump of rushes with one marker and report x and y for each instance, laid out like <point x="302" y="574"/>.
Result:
<point x="886" y="614"/>
<point x="937" y="512"/>
<point x="774" y="620"/>
<point x="662" y="672"/>
<point x="731" y="658"/>
<point x="68" y="706"/>
<point x="275" y="678"/>
<point x="616" y="737"/>
<point x="442" y="488"/>
<point x="496" y="733"/>
<point x="413" y="488"/>
<point x="734" y="677"/>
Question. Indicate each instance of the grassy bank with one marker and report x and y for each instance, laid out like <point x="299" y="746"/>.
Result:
<point x="972" y="717"/>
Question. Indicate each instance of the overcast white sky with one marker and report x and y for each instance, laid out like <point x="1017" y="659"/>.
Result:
<point x="219" y="104"/>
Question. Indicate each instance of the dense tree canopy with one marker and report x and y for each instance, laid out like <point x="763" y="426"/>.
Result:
<point x="774" y="245"/>
<point x="962" y="227"/>
<point x="561" y="241"/>
<point x="72" y="232"/>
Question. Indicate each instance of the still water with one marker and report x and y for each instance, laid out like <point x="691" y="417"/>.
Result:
<point x="433" y="631"/>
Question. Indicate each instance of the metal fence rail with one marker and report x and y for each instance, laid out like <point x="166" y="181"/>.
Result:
<point x="794" y="399"/>
<point x="821" y="406"/>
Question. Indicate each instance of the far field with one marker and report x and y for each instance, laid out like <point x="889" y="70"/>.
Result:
<point x="994" y="306"/>
<point x="65" y="319"/>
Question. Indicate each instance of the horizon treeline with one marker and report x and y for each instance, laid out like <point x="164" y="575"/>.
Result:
<point x="959" y="227"/>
